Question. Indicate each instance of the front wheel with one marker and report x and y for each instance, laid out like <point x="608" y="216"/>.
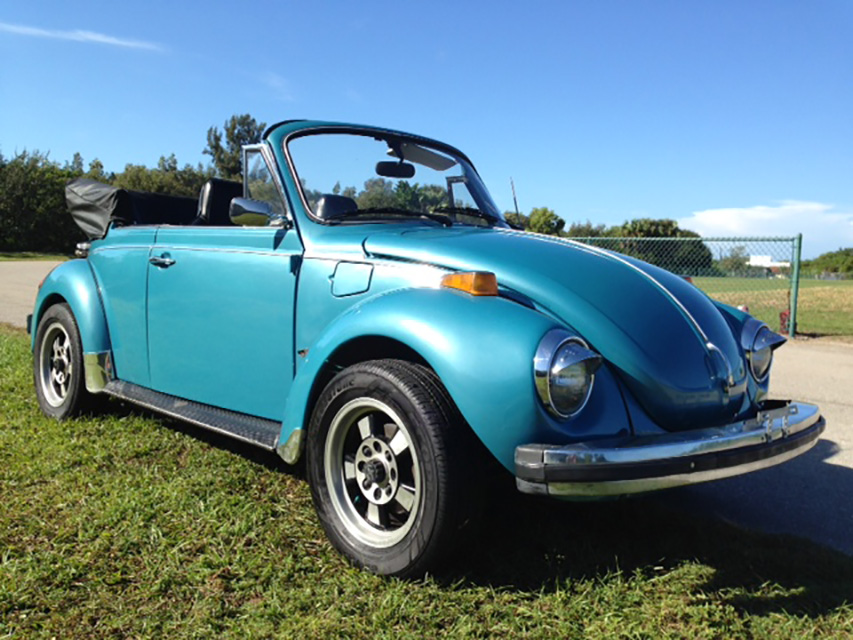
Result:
<point x="386" y="463"/>
<point x="58" y="364"/>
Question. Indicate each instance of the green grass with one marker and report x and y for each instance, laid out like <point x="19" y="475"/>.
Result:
<point x="127" y="525"/>
<point x="6" y="256"/>
<point x="825" y="307"/>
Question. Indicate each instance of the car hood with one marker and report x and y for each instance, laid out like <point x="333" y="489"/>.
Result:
<point x="665" y="338"/>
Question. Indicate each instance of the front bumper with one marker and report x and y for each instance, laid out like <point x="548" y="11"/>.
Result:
<point x="637" y="464"/>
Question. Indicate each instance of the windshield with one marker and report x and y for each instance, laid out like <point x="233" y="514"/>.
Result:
<point x="356" y="178"/>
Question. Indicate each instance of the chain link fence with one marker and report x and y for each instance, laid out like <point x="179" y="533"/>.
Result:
<point x="758" y="274"/>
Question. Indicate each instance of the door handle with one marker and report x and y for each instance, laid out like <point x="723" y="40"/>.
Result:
<point x="161" y="261"/>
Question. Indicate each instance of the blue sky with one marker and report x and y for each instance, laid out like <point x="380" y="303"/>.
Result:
<point x="735" y="118"/>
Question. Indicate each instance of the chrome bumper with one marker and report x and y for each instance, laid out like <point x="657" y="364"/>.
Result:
<point x="637" y="464"/>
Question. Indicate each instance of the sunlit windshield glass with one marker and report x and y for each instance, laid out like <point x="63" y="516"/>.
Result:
<point x="354" y="178"/>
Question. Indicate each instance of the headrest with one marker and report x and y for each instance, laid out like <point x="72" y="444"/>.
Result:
<point x="215" y="199"/>
<point x="331" y="207"/>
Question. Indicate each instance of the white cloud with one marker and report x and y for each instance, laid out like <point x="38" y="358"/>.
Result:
<point x="823" y="227"/>
<point x="78" y="35"/>
<point x="278" y="85"/>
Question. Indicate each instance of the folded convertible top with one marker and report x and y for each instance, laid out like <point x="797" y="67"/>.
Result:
<point x="94" y="206"/>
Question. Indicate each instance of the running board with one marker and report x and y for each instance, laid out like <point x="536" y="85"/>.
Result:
<point x="257" y="431"/>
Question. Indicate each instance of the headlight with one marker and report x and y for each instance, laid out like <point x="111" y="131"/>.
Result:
<point x="564" y="371"/>
<point x="759" y="345"/>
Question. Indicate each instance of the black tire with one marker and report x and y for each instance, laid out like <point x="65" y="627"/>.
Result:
<point x="388" y="467"/>
<point x="58" y="365"/>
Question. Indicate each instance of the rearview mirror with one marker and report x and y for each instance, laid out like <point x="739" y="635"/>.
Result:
<point x="246" y="212"/>
<point x="391" y="169"/>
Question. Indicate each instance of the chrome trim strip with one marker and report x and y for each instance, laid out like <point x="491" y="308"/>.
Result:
<point x="116" y="247"/>
<point x="98" y="369"/>
<point x="194" y="247"/>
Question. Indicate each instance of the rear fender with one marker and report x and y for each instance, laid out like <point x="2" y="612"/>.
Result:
<point x="74" y="283"/>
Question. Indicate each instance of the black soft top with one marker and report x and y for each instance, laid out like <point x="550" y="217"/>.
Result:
<point x="94" y="206"/>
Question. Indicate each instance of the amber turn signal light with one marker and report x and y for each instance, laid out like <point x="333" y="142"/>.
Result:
<point x="477" y="283"/>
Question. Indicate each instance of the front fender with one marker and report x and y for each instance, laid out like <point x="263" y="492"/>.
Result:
<point x="74" y="283"/>
<point x="482" y="348"/>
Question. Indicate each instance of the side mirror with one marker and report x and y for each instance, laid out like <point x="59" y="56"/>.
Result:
<point x="246" y="212"/>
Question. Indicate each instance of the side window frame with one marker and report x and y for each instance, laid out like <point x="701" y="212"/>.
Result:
<point x="270" y="165"/>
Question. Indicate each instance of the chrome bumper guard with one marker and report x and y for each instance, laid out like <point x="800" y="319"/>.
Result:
<point x="636" y="464"/>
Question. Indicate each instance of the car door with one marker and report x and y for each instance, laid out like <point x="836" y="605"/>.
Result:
<point x="221" y="314"/>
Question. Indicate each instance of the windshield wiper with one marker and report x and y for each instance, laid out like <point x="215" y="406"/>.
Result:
<point x="441" y="219"/>
<point x="468" y="211"/>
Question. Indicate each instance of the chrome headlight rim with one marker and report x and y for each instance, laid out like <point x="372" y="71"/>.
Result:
<point x="546" y="354"/>
<point x="760" y="377"/>
<point x="755" y="331"/>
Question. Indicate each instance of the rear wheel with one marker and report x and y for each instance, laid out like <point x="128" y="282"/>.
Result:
<point x="58" y="364"/>
<point x="386" y="463"/>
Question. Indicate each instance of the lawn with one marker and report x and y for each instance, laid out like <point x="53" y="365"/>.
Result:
<point x="825" y="307"/>
<point x="123" y="524"/>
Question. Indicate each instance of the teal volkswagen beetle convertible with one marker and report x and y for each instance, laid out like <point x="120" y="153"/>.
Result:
<point x="360" y="301"/>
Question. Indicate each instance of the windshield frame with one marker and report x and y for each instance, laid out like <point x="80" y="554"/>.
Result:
<point x="384" y="135"/>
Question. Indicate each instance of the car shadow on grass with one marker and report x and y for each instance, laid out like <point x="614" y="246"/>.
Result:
<point x="534" y="544"/>
<point x="530" y="544"/>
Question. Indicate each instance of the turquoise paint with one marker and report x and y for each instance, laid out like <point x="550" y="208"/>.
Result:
<point x="756" y="391"/>
<point x="482" y="349"/>
<point x="631" y="321"/>
<point x="220" y="319"/>
<point x="74" y="282"/>
<point x="120" y="263"/>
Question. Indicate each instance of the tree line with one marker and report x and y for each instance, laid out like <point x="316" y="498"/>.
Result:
<point x="33" y="216"/>
<point x="833" y="263"/>
<point x="635" y="238"/>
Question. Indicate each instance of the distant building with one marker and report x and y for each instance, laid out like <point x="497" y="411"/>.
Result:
<point x="766" y="262"/>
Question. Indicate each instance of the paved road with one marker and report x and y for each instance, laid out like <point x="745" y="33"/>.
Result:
<point x="18" y="284"/>
<point x="811" y="496"/>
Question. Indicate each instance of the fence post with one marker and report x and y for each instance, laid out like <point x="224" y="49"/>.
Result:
<point x="795" y="284"/>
